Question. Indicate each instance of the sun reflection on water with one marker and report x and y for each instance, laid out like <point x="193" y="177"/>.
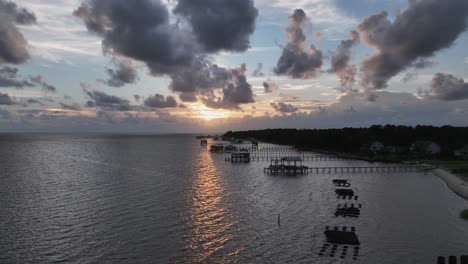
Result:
<point x="213" y="221"/>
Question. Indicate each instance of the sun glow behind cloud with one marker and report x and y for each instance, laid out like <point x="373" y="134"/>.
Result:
<point x="205" y="113"/>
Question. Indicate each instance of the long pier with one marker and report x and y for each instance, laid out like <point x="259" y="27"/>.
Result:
<point x="304" y="156"/>
<point x="369" y="169"/>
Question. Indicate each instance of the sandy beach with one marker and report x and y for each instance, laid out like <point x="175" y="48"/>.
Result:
<point x="454" y="183"/>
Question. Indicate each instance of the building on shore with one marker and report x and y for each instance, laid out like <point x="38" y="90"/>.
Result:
<point x="462" y="153"/>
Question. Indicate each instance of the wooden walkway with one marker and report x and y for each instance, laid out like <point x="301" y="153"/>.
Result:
<point x="254" y="157"/>
<point x="370" y="169"/>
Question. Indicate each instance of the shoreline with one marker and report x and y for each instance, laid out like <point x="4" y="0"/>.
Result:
<point x="453" y="182"/>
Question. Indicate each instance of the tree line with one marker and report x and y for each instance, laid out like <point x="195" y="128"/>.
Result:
<point x="354" y="140"/>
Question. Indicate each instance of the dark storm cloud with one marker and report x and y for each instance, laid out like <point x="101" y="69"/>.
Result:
<point x="17" y="14"/>
<point x="10" y="78"/>
<point x="297" y="60"/>
<point x="12" y="42"/>
<point x="220" y="24"/>
<point x="126" y="72"/>
<point x="39" y="80"/>
<point x="258" y="71"/>
<point x="284" y="107"/>
<point x="159" y="101"/>
<point x="142" y="30"/>
<point x="5" y="99"/>
<point x="234" y="93"/>
<point x="203" y="80"/>
<point x="340" y="61"/>
<point x="270" y="86"/>
<point x="447" y="87"/>
<point x="106" y="101"/>
<point x="426" y="27"/>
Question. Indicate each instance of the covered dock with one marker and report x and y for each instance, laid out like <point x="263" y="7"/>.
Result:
<point x="287" y="166"/>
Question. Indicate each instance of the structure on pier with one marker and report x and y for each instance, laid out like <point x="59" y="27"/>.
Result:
<point x="347" y="211"/>
<point x="341" y="183"/>
<point x="452" y="260"/>
<point x="241" y="156"/>
<point x="343" y="236"/>
<point x="204" y="142"/>
<point x="254" y="144"/>
<point x="230" y="149"/>
<point x="217" y="148"/>
<point x="287" y="166"/>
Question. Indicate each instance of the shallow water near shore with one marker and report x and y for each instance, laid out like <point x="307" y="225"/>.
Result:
<point x="164" y="199"/>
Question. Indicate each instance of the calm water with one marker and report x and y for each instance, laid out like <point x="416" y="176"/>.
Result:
<point x="161" y="199"/>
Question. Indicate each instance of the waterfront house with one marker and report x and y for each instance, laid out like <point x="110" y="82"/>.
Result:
<point x="425" y="148"/>
<point x="376" y="147"/>
<point x="462" y="153"/>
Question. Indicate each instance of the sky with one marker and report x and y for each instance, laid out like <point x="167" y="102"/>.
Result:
<point x="190" y="66"/>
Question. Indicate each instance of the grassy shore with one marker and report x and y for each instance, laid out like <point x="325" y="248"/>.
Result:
<point x="458" y="167"/>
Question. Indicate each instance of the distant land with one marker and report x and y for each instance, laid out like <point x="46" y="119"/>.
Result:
<point x="445" y="146"/>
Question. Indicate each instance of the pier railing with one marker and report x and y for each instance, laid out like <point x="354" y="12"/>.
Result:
<point x="267" y="157"/>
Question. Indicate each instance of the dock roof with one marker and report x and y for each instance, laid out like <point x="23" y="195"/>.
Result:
<point x="292" y="159"/>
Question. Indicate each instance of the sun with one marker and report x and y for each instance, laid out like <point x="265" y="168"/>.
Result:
<point x="208" y="114"/>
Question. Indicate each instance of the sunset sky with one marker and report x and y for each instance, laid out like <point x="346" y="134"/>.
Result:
<point x="215" y="65"/>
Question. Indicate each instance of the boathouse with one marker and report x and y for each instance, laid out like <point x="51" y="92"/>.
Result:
<point x="254" y="144"/>
<point x="218" y="148"/>
<point x="240" y="157"/>
<point x="287" y="165"/>
<point x="230" y="149"/>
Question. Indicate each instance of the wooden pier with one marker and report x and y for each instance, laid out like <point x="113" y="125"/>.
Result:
<point x="370" y="169"/>
<point x="267" y="157"/>
<point x="452" y="260"/>
<point x="287" y="166"/>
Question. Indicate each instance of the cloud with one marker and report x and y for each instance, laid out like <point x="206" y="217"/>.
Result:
<point x="238" y="91"/>
<point x="39" y="79"/>
<point x="5" y="99"/>
<point x="297" y="60"/>
<point x="159" y="101"/>
<point x="9" y="78"/>
<point x="12" y="42"/>
<point x="270" y="86"/>
<point x="340" y="61"/>
<point x="220" y="24"/>
<point x="258" y="71"/>
<point x="447" y="87"/>
<point x="34" y="101"/>
<point x="179" y="50"/>
<point x="426" y="27"/>
<point x="284" y="107"/>
<point x="106" y="101"/>
<point x="126" y="73"/>
<point x="73" y="107"/>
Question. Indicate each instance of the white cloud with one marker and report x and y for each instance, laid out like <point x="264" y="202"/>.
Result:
<point x="58" y="34"/>
<point x="322" y="13"/>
